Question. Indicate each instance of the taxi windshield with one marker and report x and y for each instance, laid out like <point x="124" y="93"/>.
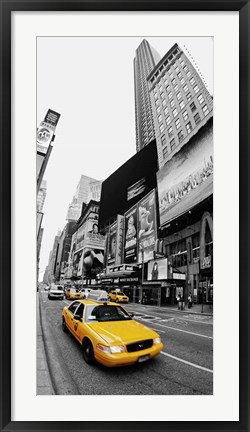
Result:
<point x="121" y="293"/>
<point x="73" y="290"/>
<point x="104" y="313"/>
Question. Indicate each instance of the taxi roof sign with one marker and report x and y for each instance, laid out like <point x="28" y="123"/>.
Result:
<point x="98" y="295"/>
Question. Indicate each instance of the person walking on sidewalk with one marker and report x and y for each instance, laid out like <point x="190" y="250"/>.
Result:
<point x="182" y="303"/>
<point x="178" y="298"/>
<point x="189" y="301"/>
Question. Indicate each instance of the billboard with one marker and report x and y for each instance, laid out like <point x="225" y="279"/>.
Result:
<point x="147" y="229"/>
<point x="112" y="243"/>
<point x="158" y="269"/>
<point x="127" y="182"/>
<point x="119" y="240"/>
<point x="136" y="189"/>
<point x="92" y="262"/>
<point x="80" y="236"/>
<point x="46" y="131"/>
<point x="52" y="117"/>
<point x="94" y="240"/>
<point x="187" y="178"/>
<point x="44" y="136"/>
<point x="77" y="263"/>
<point x="130" y="241"/>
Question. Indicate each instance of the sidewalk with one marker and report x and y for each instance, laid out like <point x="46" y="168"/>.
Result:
<point x="43" y="382"/>
<point x="196" y="309"/>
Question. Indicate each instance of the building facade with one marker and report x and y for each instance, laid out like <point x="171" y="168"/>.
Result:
<point x="145" y="61"/>
<point x="87" y="189"/>
<point x="180" y="101"/>
<point x="86" y="255"/>
<point x="41" y="196"/>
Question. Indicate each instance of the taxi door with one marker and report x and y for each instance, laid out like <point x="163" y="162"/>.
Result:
<point x="69" y="315"/>
<point x="77" y="325"/>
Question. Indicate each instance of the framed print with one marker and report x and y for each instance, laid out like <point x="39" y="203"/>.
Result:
<point x="123" y="266"/>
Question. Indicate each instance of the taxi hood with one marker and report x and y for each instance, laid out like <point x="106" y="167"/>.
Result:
<point x="120" y="332"/>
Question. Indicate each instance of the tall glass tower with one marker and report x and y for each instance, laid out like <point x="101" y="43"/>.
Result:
<point x="146" y="58"/>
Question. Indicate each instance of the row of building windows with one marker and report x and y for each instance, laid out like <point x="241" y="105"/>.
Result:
<point x="175" y="88"/>
<point x="184" y="114"/>
<point x="180" y="135"/>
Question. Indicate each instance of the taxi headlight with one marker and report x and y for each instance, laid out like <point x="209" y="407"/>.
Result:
<point x="117" y="349"/>
<point x="103" y="348"/>
<point x="157" y="340"/>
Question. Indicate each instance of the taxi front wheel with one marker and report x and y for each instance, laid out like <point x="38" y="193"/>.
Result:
<point x="64" y="327"/>
<point x="88" y="352"/>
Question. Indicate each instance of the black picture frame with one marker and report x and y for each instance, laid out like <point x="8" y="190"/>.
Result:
<point x="7" y="7"/>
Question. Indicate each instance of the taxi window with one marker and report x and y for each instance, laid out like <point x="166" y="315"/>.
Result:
<point x="79" y="310"/>
<point x="106" y="313"/>
<point x="73" y="307"/>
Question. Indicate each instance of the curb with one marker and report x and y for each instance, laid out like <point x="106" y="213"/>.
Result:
<point x="57" y="370"/>
<point x="43" y="380"/>
<point x="169" y="309"/>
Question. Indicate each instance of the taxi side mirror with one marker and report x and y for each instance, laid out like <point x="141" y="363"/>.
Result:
<point x="131" y="314"/>
<point x="78" y="317"/>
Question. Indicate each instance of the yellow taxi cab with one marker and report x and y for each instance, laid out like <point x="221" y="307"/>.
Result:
<point x="118" y="296"/>
<point x="108" y="334"/>
<point x="73" y="294"/>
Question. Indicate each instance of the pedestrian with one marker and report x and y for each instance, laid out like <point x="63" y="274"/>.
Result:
<point x="189" y="301"/>
<point x="178" y="298"/>
<point x="182" y="303"/>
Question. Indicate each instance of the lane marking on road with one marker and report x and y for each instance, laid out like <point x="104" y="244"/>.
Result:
<point x="183" y="319"/>
<point x="67" y="303"/>
<point x="182" y="331"/>
<point x="187" y="362"/>
<point x="158" y="331"/>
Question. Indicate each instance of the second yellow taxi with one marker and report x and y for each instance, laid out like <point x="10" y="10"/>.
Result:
<point x="118" y="296"/>
<point x="73" y="294"/>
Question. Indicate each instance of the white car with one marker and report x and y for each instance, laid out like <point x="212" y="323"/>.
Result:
<point x="56" y="291"/>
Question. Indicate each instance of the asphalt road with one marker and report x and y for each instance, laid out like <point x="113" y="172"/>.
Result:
<point x="184" y="367"/>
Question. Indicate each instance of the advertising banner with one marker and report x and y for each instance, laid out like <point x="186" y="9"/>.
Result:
<point x="52" y="117"/>
<point x="147" y="230"/>
<point x="158" y="269"/>
<point x="80" y="236"/>
<point x="136" y="189"/>
<point x="72" y="249"/>
<point x="92" y="222"/>
<point x="95" y="240"/>
<point x="77" y="263"/>
<point x="112" y="243"/>
<point x="92" y="262"/>
<point x="119" y="240"/>
<point x="45" y="133"/>
<point x="187" y="178"/>
<point x="130" y="241"/>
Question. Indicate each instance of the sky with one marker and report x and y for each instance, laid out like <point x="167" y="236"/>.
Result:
<point x="90" y="82"/>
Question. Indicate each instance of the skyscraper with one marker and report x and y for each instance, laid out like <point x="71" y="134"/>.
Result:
<point x="87" y="188"/>
<point x="145" y="61"/>
<point x="180" y="101"/>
